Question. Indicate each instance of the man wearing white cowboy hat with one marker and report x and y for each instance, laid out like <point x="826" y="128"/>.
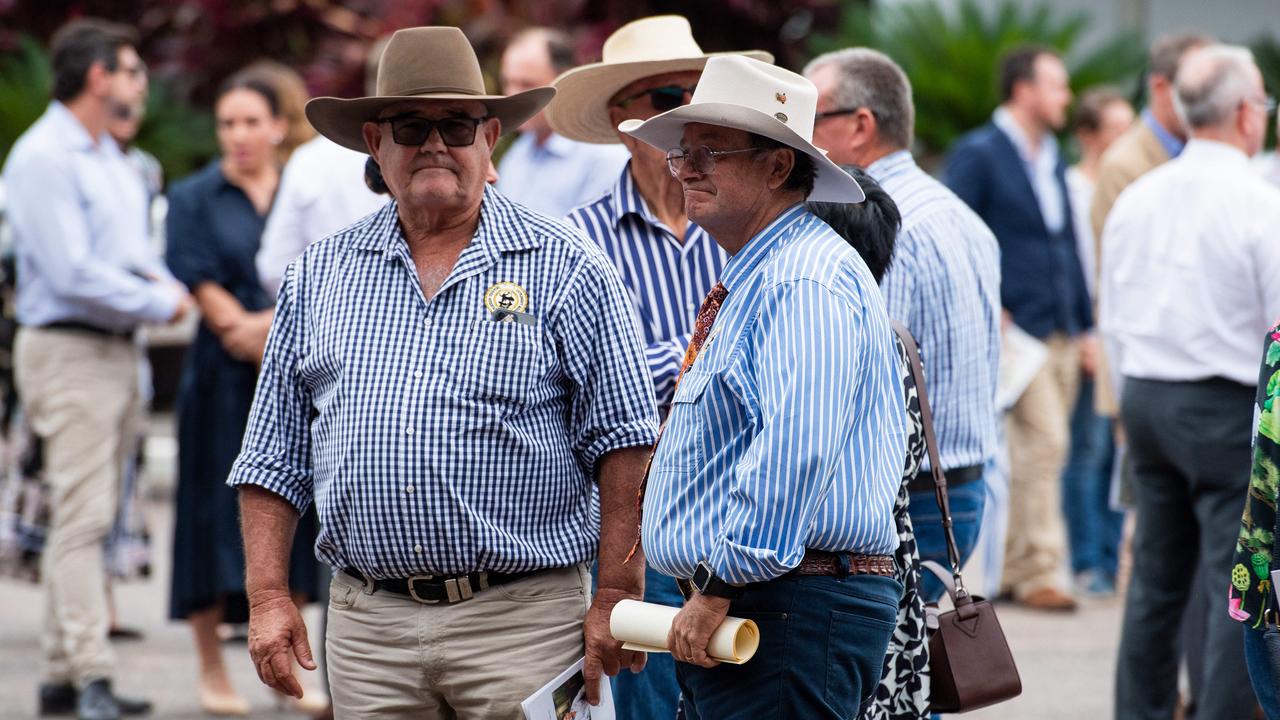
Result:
<point x="771" y="489"/>
<point x="446" y="379"/>
<point x="667" y="263"/>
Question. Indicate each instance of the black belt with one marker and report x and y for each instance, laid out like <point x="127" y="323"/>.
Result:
<point x="435" y="589"/>
<point x="822" y="563"/>
<point x="923" y="481"/>
<point x="86" y="327"/>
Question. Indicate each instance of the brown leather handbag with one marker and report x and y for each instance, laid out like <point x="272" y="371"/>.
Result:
<point x="970" y="663"/>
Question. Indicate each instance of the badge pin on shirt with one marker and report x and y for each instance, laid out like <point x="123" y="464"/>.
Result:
<point x="508" y="302"/>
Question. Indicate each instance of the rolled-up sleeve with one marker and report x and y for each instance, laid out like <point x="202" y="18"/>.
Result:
<point x="613" y="405"/>
<point x="276" y="454"/>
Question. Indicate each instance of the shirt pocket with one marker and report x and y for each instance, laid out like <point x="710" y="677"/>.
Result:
<point x="682" y="446"/>
<point x="502" y="363"/>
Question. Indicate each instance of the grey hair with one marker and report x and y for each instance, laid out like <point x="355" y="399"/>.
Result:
<point x="870" y="79"/>
<point x="1211" y="83"/>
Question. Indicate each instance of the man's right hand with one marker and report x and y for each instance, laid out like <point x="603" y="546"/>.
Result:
<point x="277" y="634"/>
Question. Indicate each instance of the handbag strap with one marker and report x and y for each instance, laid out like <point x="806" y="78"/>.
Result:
<point x="935" y="462"/>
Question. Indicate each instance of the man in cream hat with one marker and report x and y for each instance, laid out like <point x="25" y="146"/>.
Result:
<point x="667" y="263"/>
<point x="446" y="379"/>
<point x="771" y="490"/>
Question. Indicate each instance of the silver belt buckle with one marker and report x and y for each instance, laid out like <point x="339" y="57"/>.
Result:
<point x="413" y="591"/>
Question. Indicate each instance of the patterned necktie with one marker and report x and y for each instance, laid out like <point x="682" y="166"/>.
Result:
<point x="701" y="328"/>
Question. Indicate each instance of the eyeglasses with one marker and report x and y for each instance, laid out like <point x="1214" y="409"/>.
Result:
<point x="834" y="113"/>
<point x="1267" y="103"/>
<point x="414" y="130"/>
<point x="703" y="157"/>
<point x="667" y="97"/>
<point x="134" y="71"/>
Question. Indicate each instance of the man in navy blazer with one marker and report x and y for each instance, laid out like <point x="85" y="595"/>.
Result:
<point x="1010" y="172"/>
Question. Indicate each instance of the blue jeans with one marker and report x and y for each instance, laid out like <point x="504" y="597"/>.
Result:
<point x="1093" y="528"/>
<point x="1261" y="672"/>
<point x="822" y="645"/>
<point x="967" y="501"/>
<point x="653" y="693"/>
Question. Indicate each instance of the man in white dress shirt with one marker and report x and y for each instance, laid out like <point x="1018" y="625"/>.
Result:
<point x="543" y="170"/>
<point x="1190" y="281"/>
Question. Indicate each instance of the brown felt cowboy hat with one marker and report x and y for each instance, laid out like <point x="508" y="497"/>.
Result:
<point x="640" y="49"/>
<point x="422" y="63"/>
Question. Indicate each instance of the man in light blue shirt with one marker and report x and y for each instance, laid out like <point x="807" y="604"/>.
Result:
<point x="771" y="489"/>
<point x="87" y="278"/>
<point x="543" y="170"/>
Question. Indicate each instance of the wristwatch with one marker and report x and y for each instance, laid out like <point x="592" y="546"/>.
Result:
<point x="706" y="582"/>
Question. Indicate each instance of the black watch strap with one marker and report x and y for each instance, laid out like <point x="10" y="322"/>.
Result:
<point x="706" y="582"/>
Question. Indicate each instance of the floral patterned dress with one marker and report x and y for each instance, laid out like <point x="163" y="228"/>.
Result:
<point x="1250" y="594"/>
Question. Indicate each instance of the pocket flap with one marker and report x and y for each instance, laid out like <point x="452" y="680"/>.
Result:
<point x="691" y="387"/>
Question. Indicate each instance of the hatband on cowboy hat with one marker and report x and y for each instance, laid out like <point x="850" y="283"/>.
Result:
<point x="745" y="94"/>
<point x="640" y="49"/>
<point x="422" y="63"/>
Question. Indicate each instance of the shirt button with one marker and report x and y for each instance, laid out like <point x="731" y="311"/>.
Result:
<point x="417" y="549"/>
<point x="426" y="322"/>
<point x="417" y="373"/>
<point x="408" y="489"/>
<point x="408" y="431"/>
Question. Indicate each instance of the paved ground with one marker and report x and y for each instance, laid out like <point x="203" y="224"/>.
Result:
<point x="1067" y="661"/>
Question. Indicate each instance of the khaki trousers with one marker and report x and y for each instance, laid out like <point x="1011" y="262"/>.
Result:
<point x="1038" y="430"/>
<point x="80" y="394"/>
<point x="391" y="657"/>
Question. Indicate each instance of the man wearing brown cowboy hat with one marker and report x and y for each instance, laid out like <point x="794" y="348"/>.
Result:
<point x="667" y="263"/>
<point x="771" y="490"/>
<point x="453" y="380"/>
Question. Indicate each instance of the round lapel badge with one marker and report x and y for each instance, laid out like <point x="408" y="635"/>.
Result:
<point x="506" y="296"/>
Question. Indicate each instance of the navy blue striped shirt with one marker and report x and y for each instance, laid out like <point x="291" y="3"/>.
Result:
<point x="432" y="438"/>
<point x="944" y="285"/>
<point x="665" y="278"/>
<point x="788" y="432"/>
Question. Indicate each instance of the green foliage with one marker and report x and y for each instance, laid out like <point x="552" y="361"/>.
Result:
<point x="953" y="58"/>
<point x="25" y="80"/>
<point x="1266" y="51"/>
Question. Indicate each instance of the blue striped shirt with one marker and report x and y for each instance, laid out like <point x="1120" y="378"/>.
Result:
<point x="432" y="438"/>
<point x="788" y="432"/>
<point x="666" y="278"/>
<point x="944" y="285"/>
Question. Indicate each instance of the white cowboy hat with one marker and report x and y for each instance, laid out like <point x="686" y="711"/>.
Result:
<point x="745" y="94"/>
<point x="640" y="49"/>
<point x="422" y="63"/>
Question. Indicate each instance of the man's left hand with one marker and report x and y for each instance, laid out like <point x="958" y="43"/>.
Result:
<point x="692" y="629"/>
<point x="605" y="655"/>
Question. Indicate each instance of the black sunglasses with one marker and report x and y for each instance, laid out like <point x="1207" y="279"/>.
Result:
<point x="834" y="113"/>
<point x="667" y="97"/>
<point x="409" y="129"/>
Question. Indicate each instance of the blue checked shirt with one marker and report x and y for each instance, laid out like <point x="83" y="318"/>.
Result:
<point x="666" y="278"/>
<point x="432" y="438"/>
<point x="788" y="432"/>
<point x="944" y="285"/>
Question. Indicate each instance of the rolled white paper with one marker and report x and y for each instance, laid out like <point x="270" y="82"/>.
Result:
<point x="644" y="626"/>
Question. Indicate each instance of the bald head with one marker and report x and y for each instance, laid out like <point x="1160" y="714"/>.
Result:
<point x="533" y="59"/>
<point x="1219" y="94"/>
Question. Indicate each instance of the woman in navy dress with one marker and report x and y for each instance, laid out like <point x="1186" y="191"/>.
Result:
<point x="215" y="223"/>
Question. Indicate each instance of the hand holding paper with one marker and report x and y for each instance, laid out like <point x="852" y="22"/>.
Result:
<point x="644" y="626"/>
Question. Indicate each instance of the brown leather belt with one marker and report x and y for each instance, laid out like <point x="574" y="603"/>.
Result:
<point x="823" y="563"/>
<point x="820" y="562"/>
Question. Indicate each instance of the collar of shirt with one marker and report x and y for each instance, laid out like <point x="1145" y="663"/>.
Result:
<point x="1046" y="154"/>
<point x="758" y="247"/>
<point x="1168" y="140"/>
<point x="70" y="132"/>
<point x="497" y="232"/>
<point x="890" y="164"/>
<point x="555" y="144"/>
<point x="627" y="200"/>
<point x="1214" y="154"/>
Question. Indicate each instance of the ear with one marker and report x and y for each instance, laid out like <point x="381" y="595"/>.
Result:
<point x="492" y="131"/>
<point x="97" y="78"/>
<point x="780" y="164"/>
<point x="865" y="127"/>
<point x="372" y="137"/>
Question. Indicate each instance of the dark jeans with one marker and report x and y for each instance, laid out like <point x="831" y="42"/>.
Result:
<point x="653" y="693"/>
<point x="967" y="502"/>
<point x="1261" y="672"/>
<point x="1189" y="445"/>
<point x="822" y="645"/>
<point x="1093" y="528"/>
